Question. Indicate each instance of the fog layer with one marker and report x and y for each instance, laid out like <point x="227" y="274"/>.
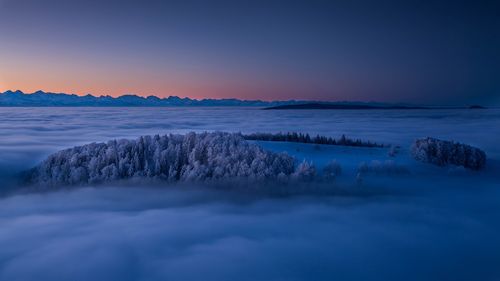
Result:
<point x="441" y="227"/>
<point x="126" y="233"/>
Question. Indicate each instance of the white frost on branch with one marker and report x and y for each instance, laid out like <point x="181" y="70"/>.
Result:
<point x="190" y="157"/>
<point x="306" y="171"/>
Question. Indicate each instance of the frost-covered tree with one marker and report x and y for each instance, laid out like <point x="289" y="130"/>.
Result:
<point x="332" y="170"/>
<point x="393" y="151"/>
<point x="190" y="157"/>
<point x="305" y="171"/>
<point x="443" y="153"/>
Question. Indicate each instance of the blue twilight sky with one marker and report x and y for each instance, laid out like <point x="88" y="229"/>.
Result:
<point x="429" y="52"/>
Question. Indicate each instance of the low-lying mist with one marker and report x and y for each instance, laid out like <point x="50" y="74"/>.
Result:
<point x="199" y="233"/>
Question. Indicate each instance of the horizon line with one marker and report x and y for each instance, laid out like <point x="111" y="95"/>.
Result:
<point x="145" y="97"/>
<point x="195" y="99"/>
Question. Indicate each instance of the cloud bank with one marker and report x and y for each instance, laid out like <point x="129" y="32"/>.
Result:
<point x="120" y="233"/>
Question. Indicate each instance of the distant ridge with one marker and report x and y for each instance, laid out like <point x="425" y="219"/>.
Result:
<point x="341" y="106"/>
<point x="45" y="99"/>
<point x="364" y="106"/>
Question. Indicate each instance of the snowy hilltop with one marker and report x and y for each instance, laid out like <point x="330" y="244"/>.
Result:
<point x="190" y="157"/>
<point x="205" y="157"/>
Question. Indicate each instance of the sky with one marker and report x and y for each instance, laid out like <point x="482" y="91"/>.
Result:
<point x="425" y="52"/>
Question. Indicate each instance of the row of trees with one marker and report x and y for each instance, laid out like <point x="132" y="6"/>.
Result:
<point x="306" y="138"/>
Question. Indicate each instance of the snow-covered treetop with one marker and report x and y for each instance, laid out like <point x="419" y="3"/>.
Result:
<point x="190" y="157"/>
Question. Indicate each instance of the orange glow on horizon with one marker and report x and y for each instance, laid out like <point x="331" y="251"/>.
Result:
<point x="82" y="76"/>
<point x="116" y="86"/>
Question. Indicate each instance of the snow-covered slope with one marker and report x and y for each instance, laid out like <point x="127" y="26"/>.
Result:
<point x="386" y="166"/>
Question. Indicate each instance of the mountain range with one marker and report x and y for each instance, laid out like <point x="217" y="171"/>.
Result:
<point x="41" y="98"/>
<point x="47" y="99"/>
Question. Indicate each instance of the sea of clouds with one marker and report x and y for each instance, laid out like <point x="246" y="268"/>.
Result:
<point x="442" y="228"/>
<point x="195" y="233"/>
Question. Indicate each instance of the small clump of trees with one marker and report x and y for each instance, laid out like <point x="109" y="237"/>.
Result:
<point x="442" y="153"/>
<point x="332" y="170"/>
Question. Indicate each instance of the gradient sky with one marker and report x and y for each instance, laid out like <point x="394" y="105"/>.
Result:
<point x="427" y="52"/>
